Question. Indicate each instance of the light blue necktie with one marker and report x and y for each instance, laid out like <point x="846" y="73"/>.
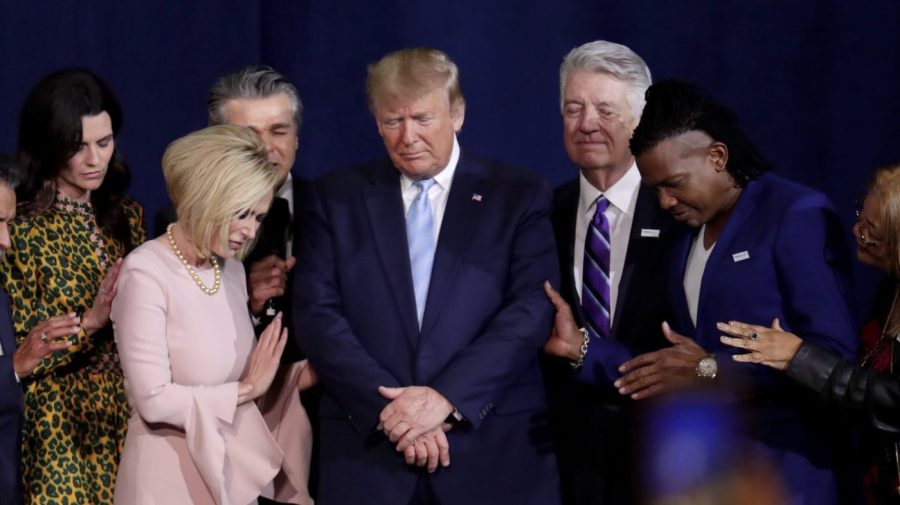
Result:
<point x="420" y="235"/>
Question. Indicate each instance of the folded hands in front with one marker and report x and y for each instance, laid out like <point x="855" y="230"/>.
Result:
<point x="415" y="421"/>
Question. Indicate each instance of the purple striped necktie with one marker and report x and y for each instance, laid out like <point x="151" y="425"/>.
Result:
<point x="595" y="273"/>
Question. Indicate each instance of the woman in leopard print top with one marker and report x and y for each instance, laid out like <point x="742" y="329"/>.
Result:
<point x="73" y="228"/>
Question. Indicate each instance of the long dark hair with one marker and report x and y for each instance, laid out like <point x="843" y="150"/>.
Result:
<point x="50" y="134"/>
<point x="675" y="107"/>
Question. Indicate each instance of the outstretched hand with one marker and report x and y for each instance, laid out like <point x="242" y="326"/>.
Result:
<point x="263" y="362"/>
<point x="663" y="370"/>
<point x="566" y="339"/>
<point x="97" y="316"/>
<point x="50" y="335"/>
<point x="772" y="347"/>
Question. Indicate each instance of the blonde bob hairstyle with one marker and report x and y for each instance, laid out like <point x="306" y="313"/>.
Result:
<point x="214" y="175"/>
<point x="410" y="74"/>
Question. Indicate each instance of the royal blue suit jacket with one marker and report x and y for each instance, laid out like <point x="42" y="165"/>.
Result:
<point x="10" y="412"/>
<point x="783" y="253"/>
<point x="485" y="322"/>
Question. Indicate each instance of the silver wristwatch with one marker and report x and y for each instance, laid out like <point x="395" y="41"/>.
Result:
<point x="707" y="367"/>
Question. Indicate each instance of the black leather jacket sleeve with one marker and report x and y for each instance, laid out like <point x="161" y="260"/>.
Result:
<point x="849" y="386"/>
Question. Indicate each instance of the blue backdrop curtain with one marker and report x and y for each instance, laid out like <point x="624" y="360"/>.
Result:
<point x="815" y="82"/>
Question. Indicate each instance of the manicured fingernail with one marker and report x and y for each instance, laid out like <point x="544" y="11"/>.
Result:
<point x="720" y="325"/>
<point x="617" y="384"/>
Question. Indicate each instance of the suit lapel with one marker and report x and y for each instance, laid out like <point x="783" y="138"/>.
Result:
<point x="460" y="217"/>
<point x="384" y="204"/>
<point x="645" y="216"/>
<point x="742" y="210"/>
<point x="567" y="208"/>
<point x="678" y="265"/>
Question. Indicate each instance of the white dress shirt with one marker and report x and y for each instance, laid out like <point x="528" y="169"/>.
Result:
<point x="437" y="194"/>
<point x="622" y="198"/>
<point x="693" y="272"/>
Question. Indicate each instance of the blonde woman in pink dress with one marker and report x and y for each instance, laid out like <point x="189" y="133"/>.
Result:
<point x="212" y="423"/>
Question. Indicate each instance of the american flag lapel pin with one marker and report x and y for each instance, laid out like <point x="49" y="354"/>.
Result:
<point x="476" y="197"/>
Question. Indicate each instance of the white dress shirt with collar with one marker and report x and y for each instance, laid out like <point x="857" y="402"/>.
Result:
<point x="437" y="194"/>
<point x="622" y="198"/>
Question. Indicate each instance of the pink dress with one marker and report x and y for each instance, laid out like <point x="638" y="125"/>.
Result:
<point x="183" y="353"/>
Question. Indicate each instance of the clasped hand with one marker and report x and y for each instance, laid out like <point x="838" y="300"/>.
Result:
<point x="267" y="279"/>
<point x="414" y="420"/>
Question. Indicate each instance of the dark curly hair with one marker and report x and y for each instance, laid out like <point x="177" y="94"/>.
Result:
<point x="50" y="134"/>
<point x="676" y="107"/>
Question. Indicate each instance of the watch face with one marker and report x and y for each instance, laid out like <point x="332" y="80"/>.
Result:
<point x="707" y="367"/>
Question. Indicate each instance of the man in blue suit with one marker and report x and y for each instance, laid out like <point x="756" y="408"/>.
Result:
<point x="10" y="390"/>
<point x="758" y="247"/>
<point x="419" y="294"/>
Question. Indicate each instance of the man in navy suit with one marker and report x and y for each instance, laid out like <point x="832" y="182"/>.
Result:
<point x="602" y="87"/>
<point x="421" y="303"/>
<point x="10" y="390"/>
<point x="758" y="248"/>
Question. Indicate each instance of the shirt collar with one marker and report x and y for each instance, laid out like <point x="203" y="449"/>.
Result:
<point x="620" y="195"/>
<point x="286" y="190"/>
<point x="443" y="178"/>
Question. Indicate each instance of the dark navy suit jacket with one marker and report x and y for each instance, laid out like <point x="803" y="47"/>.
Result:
<point x="783" y="253"/>
<point x="10" y="412"/>
<point x="485" y="321"/>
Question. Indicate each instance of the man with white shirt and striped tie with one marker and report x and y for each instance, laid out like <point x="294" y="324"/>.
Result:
<point x="611" y="236"/>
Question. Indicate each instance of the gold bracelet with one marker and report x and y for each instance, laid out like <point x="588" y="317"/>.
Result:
<point x="585" y="340"/>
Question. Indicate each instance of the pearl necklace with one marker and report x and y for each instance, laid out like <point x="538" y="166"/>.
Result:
<point x="217" y="272"/>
